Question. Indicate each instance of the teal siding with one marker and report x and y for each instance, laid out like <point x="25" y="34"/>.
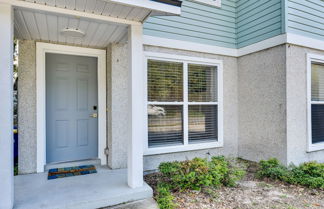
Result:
<point x="306" y="17"/>
<point x="198" y="23"/>
<point x="258" y="20"/>
<point x="236" y="24"/>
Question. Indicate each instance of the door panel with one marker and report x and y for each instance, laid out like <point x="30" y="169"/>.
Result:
<point x="71" y="94"/>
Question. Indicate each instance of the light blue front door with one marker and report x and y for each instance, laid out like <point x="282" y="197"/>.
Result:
<point x="71" y="107"/>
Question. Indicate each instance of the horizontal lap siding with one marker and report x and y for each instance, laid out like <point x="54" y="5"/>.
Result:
<point x="258" y="20"/>
<point x="306" y="18"/>
<point x="198" y="23"/>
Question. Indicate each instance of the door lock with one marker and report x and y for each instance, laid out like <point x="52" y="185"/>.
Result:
<point x="94" y="115"/>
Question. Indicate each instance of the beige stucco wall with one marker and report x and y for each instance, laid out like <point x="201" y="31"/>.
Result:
<point x="117" y="115"/>
<point x="297" y="106"/>
<point x="117" y="103"/>
<point x="27" y="107"/>
<point x="230" y="147"/>
<point x="262" y="104"/>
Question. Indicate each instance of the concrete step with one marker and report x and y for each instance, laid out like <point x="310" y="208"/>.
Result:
<point x="140" y="204"/>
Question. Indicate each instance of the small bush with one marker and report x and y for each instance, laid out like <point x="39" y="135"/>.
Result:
<point x="197" y="173"/>
<point x="272" y="169"/>
<point x="164" y="197"/>
<point x="309" y="174"/>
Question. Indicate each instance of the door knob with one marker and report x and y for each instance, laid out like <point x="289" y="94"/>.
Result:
<point x="94" y="115"/>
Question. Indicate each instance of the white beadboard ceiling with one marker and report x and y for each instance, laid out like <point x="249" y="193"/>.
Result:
<point x="99" y="7"/>
<point x="46" y="26"/>
<point x="31" y="25"/>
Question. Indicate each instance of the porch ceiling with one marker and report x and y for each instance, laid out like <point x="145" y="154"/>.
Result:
<point x="101" y="21"/>
<point x="42" y="26"/>
<point x="99" y="7"/>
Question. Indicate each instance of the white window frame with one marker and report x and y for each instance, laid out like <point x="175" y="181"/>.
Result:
<point x="186" y="146"/>
<point x="311" y="58"/>
<point x="216" y="3"/>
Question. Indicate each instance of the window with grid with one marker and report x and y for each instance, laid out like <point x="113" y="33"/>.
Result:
<point x="317" y="102"/>
<point x="182" y="103"/>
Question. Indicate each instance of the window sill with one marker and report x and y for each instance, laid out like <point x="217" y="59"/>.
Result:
<point x="182" y="148"/>
<point x="315" y="147"/>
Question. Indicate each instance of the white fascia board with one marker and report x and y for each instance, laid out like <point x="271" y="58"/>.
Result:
<point x="204" y="48"/>
<point x="69" y="12"/>
<point x="188" y="46"/>
<point x="305" y="41"/>
<point x="268" y="43"/>
<point x="151" y="5"/>
<point x="287" y="38"/>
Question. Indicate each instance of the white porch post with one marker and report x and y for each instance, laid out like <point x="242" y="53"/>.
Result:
<point x="136" y="107"/>
<point x="6" y="107"/>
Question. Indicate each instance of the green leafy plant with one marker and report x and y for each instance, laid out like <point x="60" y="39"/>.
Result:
<point x="272" y="169"/>
<point x="195" y="174"/>
<point x="310" y="174"/>
<point x="164" y="197"/>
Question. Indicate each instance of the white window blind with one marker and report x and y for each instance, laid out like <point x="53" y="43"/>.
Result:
<point x="317" y="103"/>
<point x="202" y="94"/>
<point x="165" y="115"/>
<point x="182" y="103"/>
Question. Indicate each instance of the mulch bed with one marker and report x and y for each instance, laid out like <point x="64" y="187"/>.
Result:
<point x="249" y="193"/>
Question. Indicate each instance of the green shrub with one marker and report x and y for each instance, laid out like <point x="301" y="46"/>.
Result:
<point x="197" y="173"/>
<point x="164" y="197"/>
<point x="194" y="174"/>
<point x="272" y="169"/>
<point x="309" y="174"/>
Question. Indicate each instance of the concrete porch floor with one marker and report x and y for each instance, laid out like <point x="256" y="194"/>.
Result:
<point x="105" y="188"/>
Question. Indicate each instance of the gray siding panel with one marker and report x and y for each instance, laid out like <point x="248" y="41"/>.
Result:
<point x="306" y="18"/>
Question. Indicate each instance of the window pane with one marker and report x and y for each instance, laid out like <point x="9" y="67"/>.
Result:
<point x="202" y="123"/>
<point x="202" y="81"/>
<point x="165" y="81"/>
<point x="165" y="125"/>
<point x="317" y="123"/>
<point x="317" y="82"/>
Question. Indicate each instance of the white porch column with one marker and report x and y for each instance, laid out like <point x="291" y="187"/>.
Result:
<point x="136" y="107"/>
<point x="6" y="106"/>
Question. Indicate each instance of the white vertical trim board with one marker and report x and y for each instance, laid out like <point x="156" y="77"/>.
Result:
<point x="41" y="50"/>
<point x="186" y="146"/>
<point x="6" y="106"/>
<point x="136" y="107"/>
<point x="310" y="59"/>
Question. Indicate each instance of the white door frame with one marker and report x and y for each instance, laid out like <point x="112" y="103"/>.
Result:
<point x="41" y="50"/>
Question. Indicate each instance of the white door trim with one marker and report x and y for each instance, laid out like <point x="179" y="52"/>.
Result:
<point x="41" y="49"/>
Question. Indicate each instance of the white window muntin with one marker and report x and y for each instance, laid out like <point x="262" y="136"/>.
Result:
<point x="186" y="60"/>
<point x="312" y="58"/>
